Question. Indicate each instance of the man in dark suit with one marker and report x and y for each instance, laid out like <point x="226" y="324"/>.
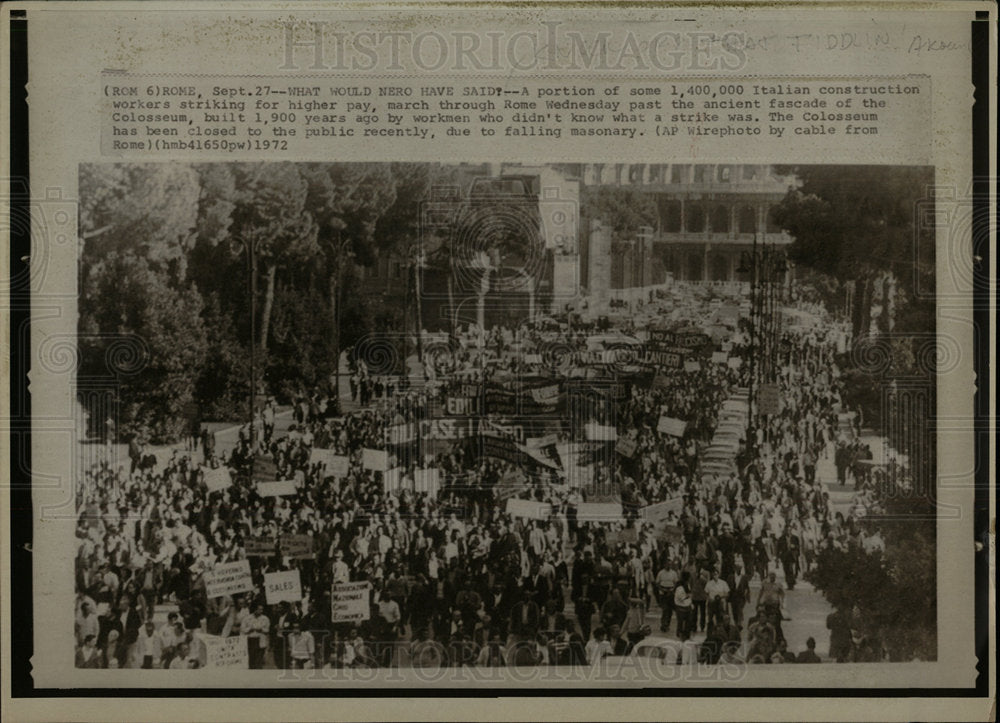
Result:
<point x="739" y="593"/>
<point x="538" y="585"/>
<point x="126" y="621"/>
<point x="524" y="619"/>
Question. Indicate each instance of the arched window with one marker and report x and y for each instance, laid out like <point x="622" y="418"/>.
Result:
<point x="748" y="220"/>
<point x="719" y="270"/>
<point x="694" y="218"/>
<point x="772" y="225"/>
<point x="720" y="219"/>
<point x="670" y="216"/>
<point x="694" y="267"/>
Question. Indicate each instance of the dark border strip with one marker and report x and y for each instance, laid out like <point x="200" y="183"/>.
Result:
<point x="22" y="628"/>
<point x="982" y="303"/>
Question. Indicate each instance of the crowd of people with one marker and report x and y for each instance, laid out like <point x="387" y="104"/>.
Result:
<point x="456" y="574"/>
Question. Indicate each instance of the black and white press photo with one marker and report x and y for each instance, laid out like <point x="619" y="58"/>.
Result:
<point x="497" y="423"/>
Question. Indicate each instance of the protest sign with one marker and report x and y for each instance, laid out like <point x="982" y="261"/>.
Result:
<point x="719" y="357"/>
<point x="599" y="511"/>
<point x="375" y="459"/>
<point x="264" y="468"/>
<point x="672" y="426"/>
<point x="299" y="547"/>
<point x="282" y="586"/>
<point x="394" y="479"/>
<point x="626" y="446"/>
<point x="281" y="488"/>
<point x="217" y="479"/>
<point x="349" y="602"/>
<point x="228" y="578"/>
<point x="579" y="476"/>
<point x="230" y="652"/>
<point x="627" y="536"/>
<point x="601" y="432"/>
<point x="530" y="509"/>
<point x="692" y="365"/>
<point x="337" y="465"/>
<point x="260" y="546"/>
<point x="735" y="362"/>
<point x="769" y="399"/>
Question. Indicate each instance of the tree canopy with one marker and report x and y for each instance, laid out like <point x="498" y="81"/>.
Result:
<point x="164" y="264"/>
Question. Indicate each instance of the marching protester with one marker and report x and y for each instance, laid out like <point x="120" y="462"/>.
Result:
<point x="505" y="538"/>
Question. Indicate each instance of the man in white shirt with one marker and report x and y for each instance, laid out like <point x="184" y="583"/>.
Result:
<point x="717" y="590"/>
<point x="150" y="649"/>
<point x="341" y="572"/>
<point x="598" y="646"/>
<point x="257" y="630"/>
<point x="301" y="646"/>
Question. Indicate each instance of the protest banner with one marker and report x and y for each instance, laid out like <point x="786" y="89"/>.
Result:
<point x="228" y="578"/>
<point x="656" y="514"/>
<point x="399" y="435"/>
<point x="376" y="460"/>
<point x="672" y="533"/>
<point x="461" y="406"/>
<point x="545" y="396"/>
<point x="447" y="429"/>
<point x="626" y="536"/>
<point x="599" y="512"/>
<point x="230" y="652"/>
<point x="349" y="602"/>
<point x="529" y="509"/>
<point x="299" y="547"/>
<point x="282" y="586"/>
<point x="427" y="480"/>
<point x="280" y="488"/>
<point x="217" y="479"/>
<point x="660" y="381"/>
<point x="260" y="546"/>
<point x="672" y="426"/>
<point x="601" y="432"/>
<point x="536" y="442"/>
<point x="626" y="446"/>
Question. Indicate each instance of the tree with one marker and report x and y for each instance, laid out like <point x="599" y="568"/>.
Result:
<point x="622" y="209"/>
<point x="149" y="336"/>
<point x="149" y="210"/>
<point x="346" y="200"/>
<point x="270" y="218"/>
<point x="857" y="223"/>
<point x="139" y="315"/>
<point x="895" y="590"/>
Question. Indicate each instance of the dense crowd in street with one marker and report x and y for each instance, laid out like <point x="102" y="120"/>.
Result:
<point x="493" y="559"/>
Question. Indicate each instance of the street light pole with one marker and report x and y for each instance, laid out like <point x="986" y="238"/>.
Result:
<point x="249" y="244"/>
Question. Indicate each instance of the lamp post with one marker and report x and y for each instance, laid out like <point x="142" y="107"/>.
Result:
<point x="250" y="245"/>
<point x="766" y="266"/>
